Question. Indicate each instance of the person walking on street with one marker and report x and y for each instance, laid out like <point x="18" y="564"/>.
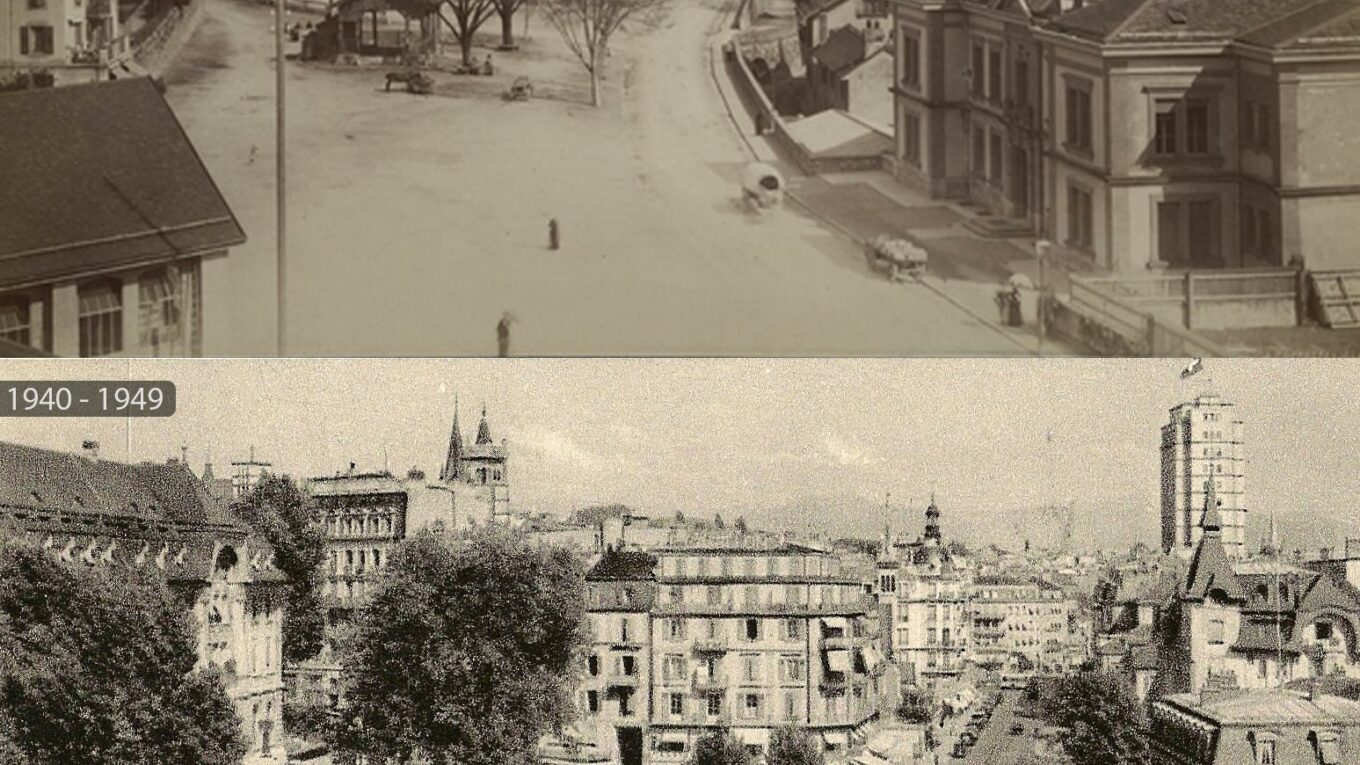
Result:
<point x="503" y="335"/>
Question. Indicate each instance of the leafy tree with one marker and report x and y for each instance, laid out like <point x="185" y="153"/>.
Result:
<point x="586" y="26"/>
<point x="740" y="525"/>
<point x="466" y="652"/>
<point x="96" y="668"/>
<point x="279" y="511"/>
<point x="468" y="17"/>
<point x="720" y="747"/>
<point x="794" y="746"/>
<point x="1103" y="723"/>
<point x="917" y="706"/>
<point x="718" y="522"/>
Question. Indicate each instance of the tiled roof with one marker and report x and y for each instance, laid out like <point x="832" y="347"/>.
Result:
<point x="843" y="48"/>
<point x="1265" y="707"/>
<point x="48" y="480"/>
<point x="626" y="564"/>
<point x="1270" y="23"/>
<point x="100" y="176"/>
<point x="1254" y="636"/>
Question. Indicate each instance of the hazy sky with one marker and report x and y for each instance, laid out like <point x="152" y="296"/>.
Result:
<point x="784" y="442"/>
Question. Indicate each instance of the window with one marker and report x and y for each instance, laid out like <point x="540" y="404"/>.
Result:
<point x="1257" y="237"/>
<point x="977" y="84"/>
<point x="750" y="668"/>
<point x="37" y="5"/>
<point x="1186" y="232"/>
<point x="674" y="668"/>
<point x="677" y="628"/>
<point x="1020" y="82"/>
<point x="979" y="152"/>
<point x="625" y="705"/>
<point x="911" y="60"/>
<point x="1328" y="747"/>
<point x="1265" y="752"/>
<point x="751" y="706"/>
<point x="1181" y="127"/>
<point x="714" y="706"/>
<point x="790" y="706"/>
<point x="101" y="318"/>
<point x="1323" y="630"/>
<point x="713" y="595"/>
<point x="158" y="296"/>
<point x="1078" y="103"/>
<point x="677" y="704"/>
<point x="911" y="137"/>
<point x="1256" y="125"/>
<point x="623" y="627"/>
<point x="36" y="40"/>
<point x="752" y="629"/>
<point x="791" y="668"/>
<point x="994" y="75"/>
<point x="1080" y="218"/>
<point x="995" y="171"/>
<point x="793" y="629"/>
<point x="15" y="325"/>
<point x="593" y="701"/>
<point x="593" y="664"/>
<point x="1215" y="636"/>
<point x="627" y="665"/>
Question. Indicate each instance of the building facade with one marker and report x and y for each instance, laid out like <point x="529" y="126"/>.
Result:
<point x="74" y="40"/>
<point x="922" y="592"/>
<point x="1018" y="624"/>
<point x="1277" y="727"/>
<point x="116" y="516"/>
<point x="1203" y="444"/>
<point x="106" y="253"/>
<point x="689" y="640"/>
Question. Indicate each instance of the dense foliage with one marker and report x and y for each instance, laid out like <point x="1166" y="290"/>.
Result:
<point x="467" y="652"/>
<point x="720" y="747"/>
<point x="279" y="511"/>
<point x="96" y="668"/>
<point x="917" y="706"/>
<point x="795" y="746"/>
<point x="1103" y="722"/>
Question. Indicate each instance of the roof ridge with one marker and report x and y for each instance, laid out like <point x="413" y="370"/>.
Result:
<point x="1128" y="19"/>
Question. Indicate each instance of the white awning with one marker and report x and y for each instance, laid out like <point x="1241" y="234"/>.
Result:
<point x="838" y="660"/>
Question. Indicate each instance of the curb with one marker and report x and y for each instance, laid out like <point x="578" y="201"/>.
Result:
<point x="715" y="46"/>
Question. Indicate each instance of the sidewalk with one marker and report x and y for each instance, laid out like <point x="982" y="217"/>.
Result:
<point x="965" y="269"/>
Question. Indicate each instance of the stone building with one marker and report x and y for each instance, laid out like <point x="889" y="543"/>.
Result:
<point x="114" y="516"/>
<point x="1260" y="727"/>
<point x="922" y="591"/>
<point x="115" y="237"/>
<point x="1018" y="623"/>
<point x="688" y="640"/>
<point x="72" y="40"/>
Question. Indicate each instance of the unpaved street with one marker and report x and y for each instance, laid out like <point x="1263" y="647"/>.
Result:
<point x="415" y="222"/>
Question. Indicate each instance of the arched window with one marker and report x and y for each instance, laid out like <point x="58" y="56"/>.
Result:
<point x="158" y="296"/>
<point x="101" y="317"/>
<point x="15" y="325"/>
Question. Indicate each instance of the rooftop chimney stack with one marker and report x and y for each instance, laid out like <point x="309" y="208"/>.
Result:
<point x="91" y="449"/>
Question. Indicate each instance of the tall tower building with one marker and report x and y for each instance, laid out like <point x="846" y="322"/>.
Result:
<point x="1201" y="444"/>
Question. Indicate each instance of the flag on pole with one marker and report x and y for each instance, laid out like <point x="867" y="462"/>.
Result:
<point x="1195" y="368"/>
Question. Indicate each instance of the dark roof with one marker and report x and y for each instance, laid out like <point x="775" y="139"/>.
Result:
<point x="625" y="564"/>
<point x="40" y="479"/>
<point x="1271" y="23"/>
<point x="1146" y="657"/>
<point x="843" y="48"/>
<point x="806" y="9"/>
<point x="101" y="176"/>
<point x="1260" y="636"/>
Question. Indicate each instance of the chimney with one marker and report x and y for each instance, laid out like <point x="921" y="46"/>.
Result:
<point x="91" y="449"/>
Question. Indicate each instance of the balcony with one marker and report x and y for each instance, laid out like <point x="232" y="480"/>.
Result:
<point x="833" y="682"/>
<point x="623" y="681"/>
<point x="835" y="641"/>
<point x="706" y="683"/>
<point x="710" y="645"/>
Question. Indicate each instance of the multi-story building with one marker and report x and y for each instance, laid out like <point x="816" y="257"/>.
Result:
<point x="365" y="516"/>
<point x="1202" y="445"/>
<point x="1273" y="727"/>
<point x="1256" y="623"/>
<point x="74" y="40"/>
<point x="116" y="516"/>
<point x="108" y="250"/>
<point x="1138" y="134"/>
<point x="1018" y="623"/>
<point x="689" y="640"/>
<point x="922" y="592"/>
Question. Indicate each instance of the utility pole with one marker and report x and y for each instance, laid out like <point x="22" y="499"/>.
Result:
<point x="280" y="9"/>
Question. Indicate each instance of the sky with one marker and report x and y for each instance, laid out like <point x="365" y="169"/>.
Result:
<point x="836" y="445"/>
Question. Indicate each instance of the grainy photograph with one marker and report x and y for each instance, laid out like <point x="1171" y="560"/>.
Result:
<point x="679" y="178"/>
<point x="661" y="562"/>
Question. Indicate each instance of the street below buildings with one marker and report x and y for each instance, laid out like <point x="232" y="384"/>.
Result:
<point x="416" y="223"/>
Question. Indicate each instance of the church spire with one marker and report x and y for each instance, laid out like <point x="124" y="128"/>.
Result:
<point x="932" y="521"/>
<point x="1213" y="519"/>
<point x="483" y="430"/>
<point x="453" y="462"/>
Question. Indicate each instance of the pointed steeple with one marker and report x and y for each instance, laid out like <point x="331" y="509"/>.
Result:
<point x="483" y="430"/>
<point x="1271" y="546"/>
<point x="1212" y="520"/>
<point x="453" y="462"/>
<point x="1210" y="570"/>
<point x="932" y="521"/>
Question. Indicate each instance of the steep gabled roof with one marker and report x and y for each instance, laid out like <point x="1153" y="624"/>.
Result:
<point x="1210" y="568"/>
<point x="843" y="49"/>
<point x="101" y="176"/>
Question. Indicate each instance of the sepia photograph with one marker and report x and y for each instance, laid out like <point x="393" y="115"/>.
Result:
<point x="721" y="178"/>
<point x="679" y="562"/>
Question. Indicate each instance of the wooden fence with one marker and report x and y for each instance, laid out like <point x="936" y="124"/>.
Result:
<point x="1230" y="299"/>
<point x="1127" y="326"/>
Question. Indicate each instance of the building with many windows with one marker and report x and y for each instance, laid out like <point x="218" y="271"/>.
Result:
<point x="116" y="517"/>
<point x="1202" y="444"/>
<point x="922" y="591"/>
<point x="1275" y="727"/>
<point x="115" y="237"/>
<point x="688" y="640"/>
<point x="73" y="40"/>
<point x="1018" y="624"/>
<point x="1138" y="134"/>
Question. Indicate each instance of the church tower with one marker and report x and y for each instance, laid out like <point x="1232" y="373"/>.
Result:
<point x="453" y="461"/>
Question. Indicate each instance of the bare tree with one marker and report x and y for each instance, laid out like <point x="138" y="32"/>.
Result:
<point x="506" y="9"/>
<point x="468" y="17"/>
<point x="587" y="25"/>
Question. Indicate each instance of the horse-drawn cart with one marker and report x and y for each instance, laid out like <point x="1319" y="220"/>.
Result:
<point x="898" y="258"/>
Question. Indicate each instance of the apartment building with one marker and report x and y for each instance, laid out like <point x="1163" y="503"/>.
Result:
<point x="922" y="591"/>
<point x="116" y="238"/>
<point x="1138" y="134"/>
<point x="159" y="517"/>
<point x="687" y="640"/>
<point x="1276" y="727"/>
<point x="73" y="40"/>
<point x="1202" y="443"/>
<point x="1017" y="623"/>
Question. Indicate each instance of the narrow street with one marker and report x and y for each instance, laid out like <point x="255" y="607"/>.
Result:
<point x="416" y="222"/>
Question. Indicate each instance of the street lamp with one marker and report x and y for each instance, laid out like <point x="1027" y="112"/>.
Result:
<point x="1042" y="248"/>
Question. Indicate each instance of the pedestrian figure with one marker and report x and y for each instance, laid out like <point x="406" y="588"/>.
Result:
<point x="503" y="335"/>
<point x="487" y="68"/>
<point x="554" y="235"/>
